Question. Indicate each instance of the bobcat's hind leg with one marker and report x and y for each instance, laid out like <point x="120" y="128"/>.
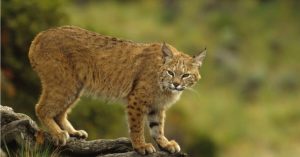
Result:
<point x="52" y="106"/>
<point x="46" y="110"/>
<point x="65" y="124"/>
<point x="61" y="87"/>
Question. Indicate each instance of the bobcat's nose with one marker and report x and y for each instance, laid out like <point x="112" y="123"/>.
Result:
<point x="176" y="84"/>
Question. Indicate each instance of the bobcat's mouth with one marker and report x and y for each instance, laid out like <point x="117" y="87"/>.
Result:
<point x="172" y="88"/>
<point x="177" y="88"/>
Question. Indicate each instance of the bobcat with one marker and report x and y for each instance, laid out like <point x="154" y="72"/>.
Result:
<point x="71" y="61"/>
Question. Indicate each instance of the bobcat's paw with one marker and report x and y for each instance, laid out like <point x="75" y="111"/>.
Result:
<point x="171" y="146"/>
<point x="61" y="138"/>
<point x="147" y="148"/>
<point x="79" y="133"/>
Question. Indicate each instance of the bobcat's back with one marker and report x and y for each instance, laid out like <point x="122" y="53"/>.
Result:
<point x="99" y="64"/>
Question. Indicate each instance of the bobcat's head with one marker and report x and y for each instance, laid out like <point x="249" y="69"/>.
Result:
<point x="179" y="70"/>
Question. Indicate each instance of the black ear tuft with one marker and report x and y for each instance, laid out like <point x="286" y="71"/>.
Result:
<point x="198" y="59"/>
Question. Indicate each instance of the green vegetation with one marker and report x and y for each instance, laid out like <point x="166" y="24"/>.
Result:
<point x="247" y="103"/>
<point x="20" y="22"/>
<point x="27" y="150"/>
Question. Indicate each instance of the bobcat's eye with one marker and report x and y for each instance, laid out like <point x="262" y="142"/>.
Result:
<point x="170" y="73"/>
<point x="186" y="75"/>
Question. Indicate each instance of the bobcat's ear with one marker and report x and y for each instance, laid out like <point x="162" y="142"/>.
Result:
<point x="167" y="53"/>
<point x="198" y="59"/>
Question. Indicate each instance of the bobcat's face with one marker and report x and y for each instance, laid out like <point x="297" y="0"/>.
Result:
<point x="179" y="72"/>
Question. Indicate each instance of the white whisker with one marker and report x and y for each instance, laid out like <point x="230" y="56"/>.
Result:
<point x="194" y="91"/>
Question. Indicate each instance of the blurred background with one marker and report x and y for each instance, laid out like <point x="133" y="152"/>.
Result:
<point x="248" y="101"/>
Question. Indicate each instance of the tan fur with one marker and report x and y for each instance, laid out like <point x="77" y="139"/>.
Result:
<point x="71" y="61"/>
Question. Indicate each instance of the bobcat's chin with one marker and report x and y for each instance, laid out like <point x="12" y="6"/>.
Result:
<point x="175" y="91"/>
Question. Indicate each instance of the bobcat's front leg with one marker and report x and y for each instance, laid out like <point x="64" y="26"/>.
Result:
<point x="136" y="114"/>
<point x="156" y="120"/>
